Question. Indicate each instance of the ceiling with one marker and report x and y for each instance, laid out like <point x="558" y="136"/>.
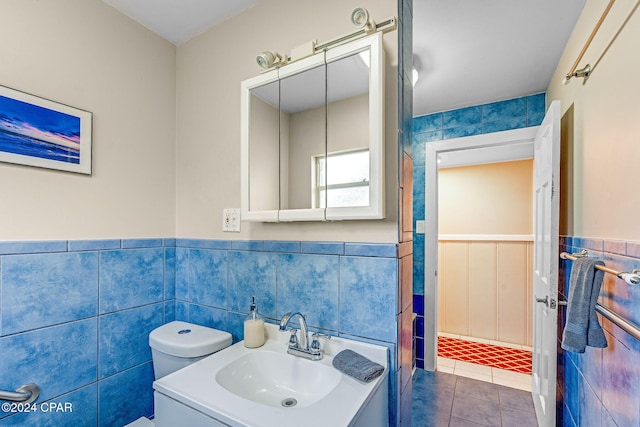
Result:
<point x="471" y="52"/>
<point x="180" y="20"/>
<point x="467" y="52"/>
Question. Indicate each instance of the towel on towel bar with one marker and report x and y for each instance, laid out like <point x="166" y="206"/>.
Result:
<point x="582" y="327"/>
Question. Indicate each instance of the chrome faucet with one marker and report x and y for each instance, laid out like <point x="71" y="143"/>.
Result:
<point x="301" y="347"/>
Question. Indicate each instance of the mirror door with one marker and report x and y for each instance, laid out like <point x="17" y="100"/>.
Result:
<point x="355" y="128"/>
<point x="260" y="150"/>
<point x="303" y="138"/>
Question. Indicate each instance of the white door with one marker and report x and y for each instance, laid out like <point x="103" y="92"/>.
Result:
<point x="546" y="165"/>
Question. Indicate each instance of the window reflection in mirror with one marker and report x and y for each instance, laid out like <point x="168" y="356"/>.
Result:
<point x="264" y="137"/>
<point x="302" y="134"/>
<point x="348" y="184"/>
<point x="347" y="165"/>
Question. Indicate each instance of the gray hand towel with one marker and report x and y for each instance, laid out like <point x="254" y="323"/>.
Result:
<point x="357" y="366"/>
<point x="582" y="327"/>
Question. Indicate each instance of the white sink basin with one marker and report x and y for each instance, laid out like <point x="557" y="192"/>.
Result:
<point x="244" y="387"/>
<point x="278" y="379"/>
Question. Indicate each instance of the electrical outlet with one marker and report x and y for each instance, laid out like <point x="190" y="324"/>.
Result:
<point x="231" y="220"/>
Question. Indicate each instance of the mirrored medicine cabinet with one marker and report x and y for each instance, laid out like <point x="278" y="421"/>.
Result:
<point x="312" y="137"/>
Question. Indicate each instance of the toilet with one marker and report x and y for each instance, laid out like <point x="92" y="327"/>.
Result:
<point x="178" y="344"/>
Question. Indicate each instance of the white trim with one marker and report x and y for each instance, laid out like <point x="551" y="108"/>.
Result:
<point x="517" y="136"/>
<point x="245" y="98"/>
<point x="486" y="237"/>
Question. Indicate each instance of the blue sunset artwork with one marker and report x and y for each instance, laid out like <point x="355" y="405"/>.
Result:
<point x="35" y="131"/>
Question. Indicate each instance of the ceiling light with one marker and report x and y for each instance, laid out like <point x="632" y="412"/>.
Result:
<point x="414" y="77"/>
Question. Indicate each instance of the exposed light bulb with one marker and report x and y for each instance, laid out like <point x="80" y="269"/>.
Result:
<point x="265" y="60"/>
<point x="360" y="17"/>
<point x="414" y="77"/>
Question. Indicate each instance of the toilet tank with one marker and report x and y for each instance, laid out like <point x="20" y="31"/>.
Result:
<point x="178" y="344"/>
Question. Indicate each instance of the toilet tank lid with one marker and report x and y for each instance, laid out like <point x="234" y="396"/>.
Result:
<point x="184" y="339"/>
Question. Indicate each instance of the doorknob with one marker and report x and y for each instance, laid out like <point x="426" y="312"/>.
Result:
<point x="551" y="303"/>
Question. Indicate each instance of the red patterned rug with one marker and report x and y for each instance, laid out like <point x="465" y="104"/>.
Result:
<point x="485" y="354"/>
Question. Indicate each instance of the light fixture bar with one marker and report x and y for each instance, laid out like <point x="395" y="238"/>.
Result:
<point x="388" y="25"/>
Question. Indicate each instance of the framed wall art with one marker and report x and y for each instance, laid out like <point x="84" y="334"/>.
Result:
<point x="38" y="132"/>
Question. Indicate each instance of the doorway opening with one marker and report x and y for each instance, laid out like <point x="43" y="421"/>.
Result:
<point x="497" y="147"/>
<point x="485" y="256"/>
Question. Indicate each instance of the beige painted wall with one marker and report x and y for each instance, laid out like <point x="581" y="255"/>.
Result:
<point x="263" y="154"/>
<point x="85" y="54"/>
<point x="495" y="198"/>
<point x="209" y="71"/>
<point x="606" y="121"/>
<point x="347" y="129"/>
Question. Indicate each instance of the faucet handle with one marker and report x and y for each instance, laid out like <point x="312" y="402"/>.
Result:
<point x="315" y="344"/>
<point x="317" y="335"/>
<point x="293" y="339"/>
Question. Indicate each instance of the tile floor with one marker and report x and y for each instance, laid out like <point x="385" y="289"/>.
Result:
<point x="485" y="373"/>
<point x="443" y="399"/>
<point x="497" y="356"/>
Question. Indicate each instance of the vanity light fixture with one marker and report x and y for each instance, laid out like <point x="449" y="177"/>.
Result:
<point x="360" y="18"/>
<point x="268" y="59"/>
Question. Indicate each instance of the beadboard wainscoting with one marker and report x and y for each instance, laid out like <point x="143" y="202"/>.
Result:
<point x="485" y="286"/>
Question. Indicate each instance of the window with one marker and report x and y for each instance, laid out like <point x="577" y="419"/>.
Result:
<point x="348" y="179"/>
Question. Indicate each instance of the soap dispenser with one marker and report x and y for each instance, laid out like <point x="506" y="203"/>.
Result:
<point x="254" y="327"/>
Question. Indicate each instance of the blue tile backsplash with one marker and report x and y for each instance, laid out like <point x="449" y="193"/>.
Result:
<point x="75" y="315"/>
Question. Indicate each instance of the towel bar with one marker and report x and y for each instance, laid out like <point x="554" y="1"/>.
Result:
<point x="632" y="278"/>
<point x="624" y="324"/>
<point x="25" y="394"/>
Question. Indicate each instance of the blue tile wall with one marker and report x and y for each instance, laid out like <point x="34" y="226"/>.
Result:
<point x="601" y="387"/>
<point x="252" y="273"/>
<point x="115" y="395"/>
<point x="33" y="284"/>
<point x="310" y="284"/>
<point x="340" y="293"/>
<point x="130" y="278"/>
<point x="344" y="289"/>
<point x="474" y="120"/>
<point x="75" y="317"/>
